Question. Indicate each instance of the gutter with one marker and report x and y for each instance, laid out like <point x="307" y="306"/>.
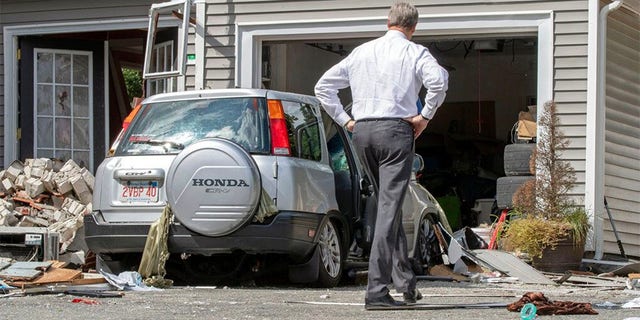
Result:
<point x="597" y="126"/>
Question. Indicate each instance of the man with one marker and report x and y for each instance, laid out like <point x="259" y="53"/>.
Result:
<point x="385" y="76"/>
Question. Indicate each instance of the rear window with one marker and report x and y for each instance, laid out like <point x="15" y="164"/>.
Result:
<point x="169" y="127"/>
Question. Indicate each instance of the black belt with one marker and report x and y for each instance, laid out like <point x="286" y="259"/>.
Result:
<point x="383" y="119"/>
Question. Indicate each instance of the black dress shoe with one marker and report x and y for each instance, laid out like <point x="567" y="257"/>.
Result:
<point x="412" y="296"/>
<point x="383" y="302"/>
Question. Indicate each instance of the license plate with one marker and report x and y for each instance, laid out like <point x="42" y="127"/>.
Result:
<point x="139" y="192"/>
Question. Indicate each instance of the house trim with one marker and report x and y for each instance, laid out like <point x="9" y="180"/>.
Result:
<point x="11" y="34"/>
<point x="250" y="35"/>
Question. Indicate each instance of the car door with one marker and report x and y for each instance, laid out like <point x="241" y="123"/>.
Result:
<point x="354" y="190"/>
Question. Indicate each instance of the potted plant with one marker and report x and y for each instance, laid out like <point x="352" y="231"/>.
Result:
<point x="546" y="223"/>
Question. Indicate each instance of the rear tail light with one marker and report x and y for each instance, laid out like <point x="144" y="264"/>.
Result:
<point x="125" y="124"/>
<point x="279" y="136"/>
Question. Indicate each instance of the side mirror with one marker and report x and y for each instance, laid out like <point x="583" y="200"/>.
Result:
<point x="418" y="163"/>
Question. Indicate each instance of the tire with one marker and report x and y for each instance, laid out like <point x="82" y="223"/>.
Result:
<point x="506" y="187"/>
<point x="331" y="262"/>
<point x="427" y="252"/>
<point x="516" y="159"/>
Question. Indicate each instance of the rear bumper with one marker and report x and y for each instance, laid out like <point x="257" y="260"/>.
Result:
<point x="288" y="233"/>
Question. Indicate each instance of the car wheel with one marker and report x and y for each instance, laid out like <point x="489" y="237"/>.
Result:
<point x="331" y="261"/>
<point x="427" y="252"/>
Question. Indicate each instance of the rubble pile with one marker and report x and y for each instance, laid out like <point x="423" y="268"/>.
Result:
<point x="46" y="193"/>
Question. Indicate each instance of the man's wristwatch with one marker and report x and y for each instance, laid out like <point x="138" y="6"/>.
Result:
<point x="423" y="117"/>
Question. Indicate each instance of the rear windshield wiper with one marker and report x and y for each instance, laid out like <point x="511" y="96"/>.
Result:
<point x="166" y="144"/>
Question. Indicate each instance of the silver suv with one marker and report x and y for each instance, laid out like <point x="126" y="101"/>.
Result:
<point x="258" y="180"/>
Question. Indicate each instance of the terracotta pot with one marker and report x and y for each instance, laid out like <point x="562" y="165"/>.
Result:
<point x="566" y="256"/>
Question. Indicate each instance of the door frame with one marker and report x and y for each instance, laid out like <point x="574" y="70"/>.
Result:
<point x="251" y="35"/>
<point x="11" y="35"/>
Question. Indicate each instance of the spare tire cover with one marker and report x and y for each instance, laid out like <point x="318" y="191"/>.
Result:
<point x="213" y="187"/>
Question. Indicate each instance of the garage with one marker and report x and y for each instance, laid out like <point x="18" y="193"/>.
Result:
<point x="463" y="145"/>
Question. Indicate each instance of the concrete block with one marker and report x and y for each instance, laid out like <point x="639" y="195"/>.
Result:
<point x="85" y="197"/>
<point x="47" y="180"/>
<point x="89" y="179"/>
<point x="8" y="185"/>
<point x="43" y="163"/>
<point x="14" y="170"/>
<point x="69" y="166"/>
<point x="72" y="206"/>
<point x="18" y="184"/>
<point x="27" y="171"/>
<point x="78" y="183"/>
<point x="57" y="201"/>
<point x="33" y="187"/>
<point x="64" y="185"/>
<point x="37" y="172"/>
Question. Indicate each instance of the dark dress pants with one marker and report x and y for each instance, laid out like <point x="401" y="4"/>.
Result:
<point x="386" y="146"/>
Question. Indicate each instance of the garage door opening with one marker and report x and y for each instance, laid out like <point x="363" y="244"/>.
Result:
<point x="491" y="81"/>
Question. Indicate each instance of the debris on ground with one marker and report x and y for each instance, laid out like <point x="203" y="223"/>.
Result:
<point x="29" y="277"/>
<point x="545" y="306"/>
<point x="45" y="193"/>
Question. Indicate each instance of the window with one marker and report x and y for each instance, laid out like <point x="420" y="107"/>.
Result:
<point x="168" y="127"/>
<point x="62" y="105"/>
<point x="161" y="61"/>
<point x="304" y="134"/>
<point x="168" y="10"/>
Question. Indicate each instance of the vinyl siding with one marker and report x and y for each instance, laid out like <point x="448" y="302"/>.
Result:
<point x="622" y="131"/>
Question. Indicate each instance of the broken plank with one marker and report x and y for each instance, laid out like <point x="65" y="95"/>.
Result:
<point x="58" y="275"/>
<point x="84" y="281"/>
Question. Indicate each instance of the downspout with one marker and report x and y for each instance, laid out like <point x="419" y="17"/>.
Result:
<point x="598" y="125"/>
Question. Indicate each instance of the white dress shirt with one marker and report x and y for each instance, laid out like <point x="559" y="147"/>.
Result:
<point x="385" y="76"/>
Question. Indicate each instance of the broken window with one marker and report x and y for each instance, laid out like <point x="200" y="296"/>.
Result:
<point x="62" y="115"/>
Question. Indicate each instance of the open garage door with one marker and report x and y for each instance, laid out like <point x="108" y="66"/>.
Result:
<point x="491" y="81"/>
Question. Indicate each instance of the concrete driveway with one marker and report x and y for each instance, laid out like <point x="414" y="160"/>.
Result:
<point x="287" y="302"/>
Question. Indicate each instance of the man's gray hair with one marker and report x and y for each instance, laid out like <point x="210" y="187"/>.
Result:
<point x="404" y="15"/>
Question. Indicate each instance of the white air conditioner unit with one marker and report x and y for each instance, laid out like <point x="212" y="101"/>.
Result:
<point x="29" y="243"/>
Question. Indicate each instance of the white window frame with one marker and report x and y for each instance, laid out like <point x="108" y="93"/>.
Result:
<point x="181" y="61"/>
<point x="72" y="117"/>
<point x="165" y="82"/>
<point x="251" y="35"/>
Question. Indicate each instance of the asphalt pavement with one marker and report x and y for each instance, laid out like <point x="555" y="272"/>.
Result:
<point x="289" y="302"/>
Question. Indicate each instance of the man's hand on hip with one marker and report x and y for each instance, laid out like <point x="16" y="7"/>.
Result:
<point x="349" y="125"/>
<point x="419" y="124"/>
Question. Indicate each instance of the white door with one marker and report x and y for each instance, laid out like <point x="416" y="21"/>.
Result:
<point x="63" y="106"/>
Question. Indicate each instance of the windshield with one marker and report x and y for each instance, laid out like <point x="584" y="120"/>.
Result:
<point x="169" y="127"/>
